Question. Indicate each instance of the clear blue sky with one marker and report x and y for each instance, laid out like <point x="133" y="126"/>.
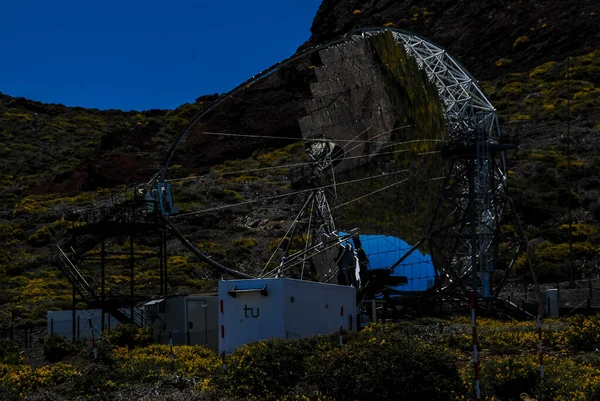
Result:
<point x="132" y="54"/>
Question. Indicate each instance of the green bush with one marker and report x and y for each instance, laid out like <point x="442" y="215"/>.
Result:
<point x="95" y="376"/>
<point x="41" y="237"/>
<point x="244" y="243"/>
<point x="226" y="195"/>
<point x="376" y="364"/>
<point x="55" y="348"/>
<point x="507" y="376"/>
<point x="583" y="333"/>
<point x="9" y="351"/>
<point x="154" y="362"/>
<point x="130" y="336"/>
<point x="392" y="368"/>
<point x="8" y="392"/>
<point x="265" y="370"/>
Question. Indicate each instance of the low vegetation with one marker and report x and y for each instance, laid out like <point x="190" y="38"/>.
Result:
<point x="409" y="360"/>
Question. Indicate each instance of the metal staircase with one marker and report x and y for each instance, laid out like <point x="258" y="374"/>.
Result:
<point x="90" y="294"/>
<point x="66" y="257"/>
<point x="68" y="268"/>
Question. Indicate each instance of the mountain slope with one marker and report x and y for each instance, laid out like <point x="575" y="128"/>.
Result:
<point x="54" y="158"/>
<point x="479" y="33"/>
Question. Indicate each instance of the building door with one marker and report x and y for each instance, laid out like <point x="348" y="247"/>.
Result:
<point x="197" y="322"/>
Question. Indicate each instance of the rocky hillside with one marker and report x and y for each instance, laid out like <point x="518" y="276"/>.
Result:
<point x="539" y="62"/>
<point x="491" y="38"/>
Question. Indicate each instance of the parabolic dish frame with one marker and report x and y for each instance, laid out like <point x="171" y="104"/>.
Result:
<point x="471" y="122"/>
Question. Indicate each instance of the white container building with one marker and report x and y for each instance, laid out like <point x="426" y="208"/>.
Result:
<point x="551" y="302"/>
<point x="259" y="309"/>
<point x="61" y="323"/>
<point x="190" y="320"/>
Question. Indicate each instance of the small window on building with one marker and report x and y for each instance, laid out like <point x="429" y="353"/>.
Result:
<point x="161" y="307"/>
<point x="191" y="325"/>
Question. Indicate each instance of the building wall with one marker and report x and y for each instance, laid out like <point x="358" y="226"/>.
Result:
<point x="291" y="309"/>
<point x="192" y="320"/>
<point x="61" y="323"/>
<point x="250" y="316"/>
<point x="316" y="308"/>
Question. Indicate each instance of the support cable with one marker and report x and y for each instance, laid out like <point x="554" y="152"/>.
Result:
<point x="296" y="165"/>
<point x="325" y="139"/>
<point x="282" y="195"/>
<point x="286" y="234"/>
<point x="307" y="240"/>
<point x="293" y="263"/>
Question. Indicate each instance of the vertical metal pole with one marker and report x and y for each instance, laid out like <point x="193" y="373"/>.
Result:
<point x="103" y="281"/>
<point x="73" y="318"/>
<point x="590" y="288"/>
<point x="222" y="340"/>
<point x="94" y="349"/>
<point x="131" y="259"/>
<point x="341" y="325"/>
<point x="374" y="310"/>
<point x="569" y="207"/>
<point x="205" y="324"/>
<point x="541" y="351"/>
<point x="473" y="297"/>
<point x="78" y="329"/>
<point x="473" y="227"/>
<point x="186" y="320"/>
<point x="172" y="355"/>
<point x="539" y="327"/>
<point x="162" y="235"/>
<point x="165" y="257"/>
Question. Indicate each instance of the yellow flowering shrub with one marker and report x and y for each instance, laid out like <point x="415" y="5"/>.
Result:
<point x="153" y="362"/>
<point x="579" y="230"/>
<point x="505" y="377"/>
<point x="583" y="333"/>
<point x="265" y="370"/>
<point x="25" y="378"/>
<point x="130" y="336"/>
<point x="502" y="337"/>
<point x="9" y="351"/>
<point x="570" y="380"/>
<point x="387" y="366"/>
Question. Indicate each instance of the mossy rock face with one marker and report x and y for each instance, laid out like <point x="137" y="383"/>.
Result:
<point x="405" y="207"/>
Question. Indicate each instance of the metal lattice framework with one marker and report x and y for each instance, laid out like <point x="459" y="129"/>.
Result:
<point x="469" y="115"/>
<point x="465" y="105"/>
<point x="479" y="178"/>
<point x="475" y="184"/>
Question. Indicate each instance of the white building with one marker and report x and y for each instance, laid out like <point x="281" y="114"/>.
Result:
<point x="258" y="309"/>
